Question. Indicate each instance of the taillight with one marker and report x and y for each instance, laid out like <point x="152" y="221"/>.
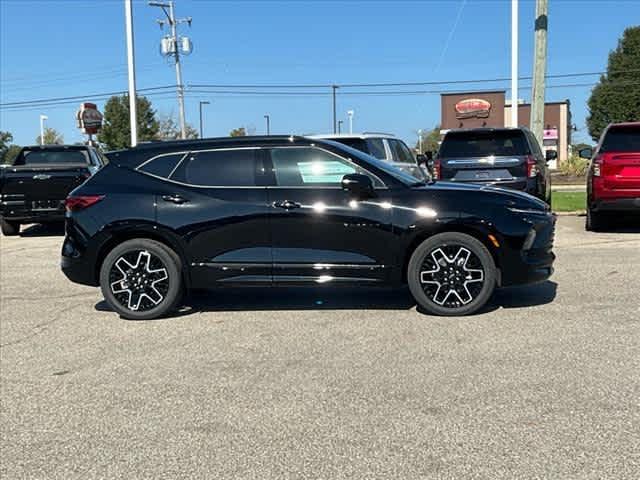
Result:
<point x="436" y="169"/>
<point x="76" y="203"/>
<point x="532" y="167"/>
<point x="597" y="166"/>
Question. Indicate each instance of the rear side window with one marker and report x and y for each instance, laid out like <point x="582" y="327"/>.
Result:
<point x="312" y="167"/>
<point x="376" y="148"/>
<point x="162" y="166"/>
<point x="621" y="139"/>
<point x="51" y="157"/>
<point x="218" y="168"/>
<point x="483" y="144"/>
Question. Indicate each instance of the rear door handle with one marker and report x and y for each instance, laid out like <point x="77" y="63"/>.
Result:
<point x="178" y="199"/>
<point x="286" y="204"/>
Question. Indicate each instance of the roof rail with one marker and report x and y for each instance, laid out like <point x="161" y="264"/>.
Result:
<point x="378" y="133"/>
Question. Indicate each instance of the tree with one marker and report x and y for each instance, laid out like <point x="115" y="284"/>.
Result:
<point x="5" y="140"/>
<point x="51" y="137"/>
<point x="430" y="140"/>
<point x="116" y="131"/>
<point x="11" y="153"/>
<point x="616" y="97"/>
<point x="238" y="132"/>
<point x="168" y="129"/>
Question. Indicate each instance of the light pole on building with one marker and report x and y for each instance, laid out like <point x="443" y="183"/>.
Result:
<point x="42" y="119"/>
<point x="200" y="107"/>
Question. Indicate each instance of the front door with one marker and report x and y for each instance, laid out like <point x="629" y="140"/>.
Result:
<point x="319" y="233"/>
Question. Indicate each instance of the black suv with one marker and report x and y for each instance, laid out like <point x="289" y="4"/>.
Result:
<point x="504" y="157"/>
<point x="163" y="218"/>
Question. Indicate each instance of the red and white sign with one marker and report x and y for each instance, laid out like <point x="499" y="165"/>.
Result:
<point x="89" y="118"/>
<point x="473" y="107"/>
<point x="550" y="134"/>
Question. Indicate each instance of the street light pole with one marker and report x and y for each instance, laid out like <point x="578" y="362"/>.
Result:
<point x="340" y="122"/>
<point x="350" y="115"/>
<point x="420" y="141"/>
<point x="42" y="119"/>
<point x="514" y="63"/>
<point x="200" y="106"/>
<point x="133" y="114"/>
<point x="334" y="88"/>
<point x="268" y="119"/>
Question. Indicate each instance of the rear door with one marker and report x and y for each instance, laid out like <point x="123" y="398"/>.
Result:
<point x="216" y="202"/>
<point x="485" y="156"/>
<point x="620" y="156"/>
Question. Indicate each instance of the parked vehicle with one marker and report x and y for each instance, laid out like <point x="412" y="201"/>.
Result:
<point x="613" y="179"/>
<point x="161" y="219"/>
<point x="384" y="147"/>
<point x="33" y="188"/>
<point x="503" y="157"/>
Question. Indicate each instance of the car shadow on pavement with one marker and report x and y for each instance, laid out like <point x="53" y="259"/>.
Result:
<point x="43" y="230"/>
<point x="326" y="298"/>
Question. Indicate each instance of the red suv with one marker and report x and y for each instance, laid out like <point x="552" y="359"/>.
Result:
<point x="613" y="181"/>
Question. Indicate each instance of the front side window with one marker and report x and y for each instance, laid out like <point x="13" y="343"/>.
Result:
<point x="218" y="168"/>
<point x="400" y="152"/>
<point x="311" y="167"/>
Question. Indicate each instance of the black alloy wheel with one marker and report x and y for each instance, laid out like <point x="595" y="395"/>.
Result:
<point x="141" y="279"/>
<point x="451" y="274"/>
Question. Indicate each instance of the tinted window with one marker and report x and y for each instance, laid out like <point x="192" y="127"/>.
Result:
<point x="298" y="167"/>
<point x="621" y="139"/>
<point x="47" y="157"/>
<point x="482" y="144"/>
<point x="357" y="143"/>
<point x="376" y="148"/>
<point x="162" y="166"/>
<point x="234" y="168"/>
<point x="400" y="152"/>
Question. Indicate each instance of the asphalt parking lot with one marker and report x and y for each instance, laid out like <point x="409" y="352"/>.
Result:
<point x="257" y="384"/>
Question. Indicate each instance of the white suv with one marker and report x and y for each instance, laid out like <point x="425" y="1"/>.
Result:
<point x="382" y="146"/>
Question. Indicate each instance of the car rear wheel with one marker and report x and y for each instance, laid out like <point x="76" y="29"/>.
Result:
<point x="451" y="274"/>
<point x="9" y="229"/>
<point x="595" y="221"/>
<point x="141" y="279"/>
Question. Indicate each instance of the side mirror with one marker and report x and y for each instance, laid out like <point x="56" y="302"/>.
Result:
<point x="421" y="158"/>
<point x="551" y="155"/>
<point x="586" y="153"/>
<point x="358" y="185"/>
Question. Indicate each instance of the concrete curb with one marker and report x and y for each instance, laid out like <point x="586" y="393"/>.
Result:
<point x="576" y="213"/>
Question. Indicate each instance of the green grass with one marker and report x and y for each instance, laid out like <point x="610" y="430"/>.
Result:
<point x="568" y="201"/>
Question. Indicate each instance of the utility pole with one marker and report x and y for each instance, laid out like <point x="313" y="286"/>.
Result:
<point x="539" y="70"/>
<point x="335" y="125"/>
<point x="200" y="106"/>
<point x="42" y="119"/>
<point x="131" y="67"/>
<point x="268" y="119"/>
<point x="514" y="63"/>
<point x="172" y="46"/>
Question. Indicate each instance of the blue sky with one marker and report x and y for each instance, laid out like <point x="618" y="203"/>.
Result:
<point x="55" y="48"/>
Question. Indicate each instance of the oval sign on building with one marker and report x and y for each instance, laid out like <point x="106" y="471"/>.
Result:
<point x="473" y="107"/>
<point x="89" y="118"/>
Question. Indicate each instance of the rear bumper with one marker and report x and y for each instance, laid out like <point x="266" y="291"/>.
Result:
<point x="630" y="204"/>
<point x="18" y="212"/>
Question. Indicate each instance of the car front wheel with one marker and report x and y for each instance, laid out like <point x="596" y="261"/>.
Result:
<point x="141" y="280"/>
<point x="451" y="274"/>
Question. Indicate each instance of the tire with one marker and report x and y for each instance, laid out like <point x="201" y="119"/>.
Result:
<point x="435" y="262"/>
<point x="141" y="279"/>
<point x="595" y="222"/>
<point x="9" y="229"/>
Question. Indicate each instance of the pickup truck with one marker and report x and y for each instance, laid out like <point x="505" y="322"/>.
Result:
<point x="34" y="187"/>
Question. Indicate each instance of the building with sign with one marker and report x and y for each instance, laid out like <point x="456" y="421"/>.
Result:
<point x="491" y="109"/>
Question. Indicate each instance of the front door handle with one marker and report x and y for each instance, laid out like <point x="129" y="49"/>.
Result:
<point x="286" y="204"/>
<point x="178" y="199"/>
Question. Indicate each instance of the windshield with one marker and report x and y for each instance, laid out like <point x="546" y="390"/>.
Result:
<point x="483" y="144"/>
<point x="51" y="157"/>
<point x="622" y="139"/>
<point x="386" y="167"/>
